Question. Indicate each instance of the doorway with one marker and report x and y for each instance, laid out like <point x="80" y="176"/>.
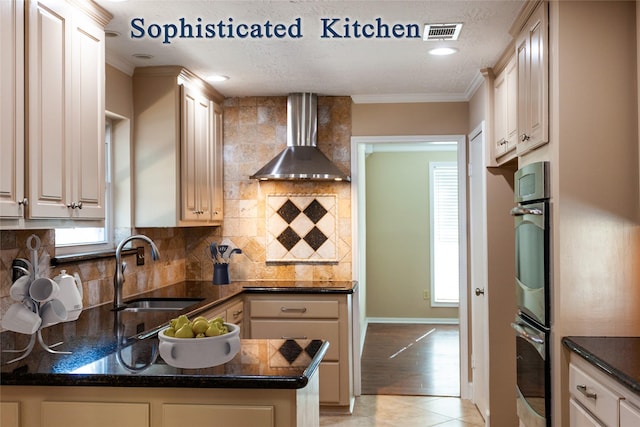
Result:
<point x="404" y="257"/>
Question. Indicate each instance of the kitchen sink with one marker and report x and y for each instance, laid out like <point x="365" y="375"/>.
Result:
<point x="160" y="304"/>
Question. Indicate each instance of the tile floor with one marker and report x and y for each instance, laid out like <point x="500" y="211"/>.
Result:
<point x="410" y="411"/>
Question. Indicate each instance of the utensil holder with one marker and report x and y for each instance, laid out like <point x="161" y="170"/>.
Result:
<point x="221" y="274"/>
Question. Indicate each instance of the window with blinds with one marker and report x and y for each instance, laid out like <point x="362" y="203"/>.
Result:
<point x="87" y="239"/>
<point x="443" y="178"/>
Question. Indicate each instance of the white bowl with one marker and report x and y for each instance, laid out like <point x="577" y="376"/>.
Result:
<point x="195" y="353"/>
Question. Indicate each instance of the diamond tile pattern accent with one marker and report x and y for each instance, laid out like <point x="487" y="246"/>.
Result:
<point x="315" y="238"/>
<point x="302" y="228"/>
<point x="288" y="211"/>
<point x="290" y="350"/>
<point x="313" y="347"/>
<point x="284" y="353"/>
<point x="315" y="211"/>
<point x="288" y="238"/>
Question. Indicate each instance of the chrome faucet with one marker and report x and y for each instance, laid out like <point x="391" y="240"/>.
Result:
<point x="118" y="278"/>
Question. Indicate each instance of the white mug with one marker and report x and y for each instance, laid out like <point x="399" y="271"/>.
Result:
<point x="53" y="312"/>
<point x="43" y="289"/>
<point x="20" y="288"/>
<point x="19" y="318"/>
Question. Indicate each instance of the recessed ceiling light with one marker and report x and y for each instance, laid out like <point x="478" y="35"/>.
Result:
<point x="142" y="56"/>
<point x="217" y="78"/>
<point x="111" y="33"/>
<point x="442" y="51"/>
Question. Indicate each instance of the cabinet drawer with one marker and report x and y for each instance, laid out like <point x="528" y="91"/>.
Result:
<point x="312" y="329"/>
<point x="235" y="313"/>
<point x="594" y="396"/>
<point x="580" y="417"/>
<point x="295" y="309"/>
<point x="629" y="415"/>
<point x="178" y="415"/>
<point x="96" y="414"/>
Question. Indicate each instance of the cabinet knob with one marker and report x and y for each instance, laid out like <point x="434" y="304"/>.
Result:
<point x="524" y="137"/>
<point x="75" y="205"/>
<point x="23" y="202"/>
<point x="479" y="291"/>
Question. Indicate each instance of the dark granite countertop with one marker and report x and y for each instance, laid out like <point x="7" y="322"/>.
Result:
<point x="618" y="357"/>
<point x="119" y="348"/>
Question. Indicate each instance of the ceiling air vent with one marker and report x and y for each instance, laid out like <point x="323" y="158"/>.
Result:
<point x="442" y="31"/>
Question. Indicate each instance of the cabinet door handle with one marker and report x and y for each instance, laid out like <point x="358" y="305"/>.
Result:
<point x="588" y="394"/>
<point x="524" y="137"/>
<point x="293" y="310"/>
<point x="23" y="202"/>
<point x="294" y="338"/>
<point x="237" y="313"/>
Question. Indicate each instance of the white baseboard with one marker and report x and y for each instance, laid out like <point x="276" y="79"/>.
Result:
<point x="417" y="320"/>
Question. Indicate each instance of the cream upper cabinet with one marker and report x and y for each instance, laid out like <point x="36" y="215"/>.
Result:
<point x="533" y="81"/>
<point x="12" y="195"/>
<point x="65" y="96"/>
<point x="178" y="149"/>
<point x="218" y="164"/>
<point x="505" y="112"/>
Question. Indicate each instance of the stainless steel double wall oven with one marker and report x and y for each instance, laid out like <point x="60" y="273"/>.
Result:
<point x="532" y="324"/>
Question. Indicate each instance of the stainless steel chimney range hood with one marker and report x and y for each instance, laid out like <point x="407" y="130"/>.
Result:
<point x="301" y="160"/>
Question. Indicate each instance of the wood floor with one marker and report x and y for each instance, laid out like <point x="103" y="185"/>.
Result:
<point x="408" y="372"/>
<point x="411" y="359"/>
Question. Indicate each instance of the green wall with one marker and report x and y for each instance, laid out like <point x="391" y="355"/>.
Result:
<point x="397" y="217"/>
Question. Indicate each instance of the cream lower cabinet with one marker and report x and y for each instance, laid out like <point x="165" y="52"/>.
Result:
<point x="52" y="406"/>
<point x="598" y="400"/>
<point x="231" y="311"/>
<point x="629" y="414"/>
<point x="9" y="414"/>
<point x="65" y="110"/>
<point x="95" y="414"/>
<point x="178" y="149"/>
<point x="224" y="415"/>
<point x="325" y="317"/>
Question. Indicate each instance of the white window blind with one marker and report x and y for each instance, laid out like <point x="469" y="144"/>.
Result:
<point x="443" y="178"/>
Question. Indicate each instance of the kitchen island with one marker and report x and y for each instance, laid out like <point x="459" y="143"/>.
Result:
<point x="114" y="369"/>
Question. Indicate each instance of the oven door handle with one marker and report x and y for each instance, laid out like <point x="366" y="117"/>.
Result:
<point x="520" y="211"/>
<point x="537" y="342"/>
<point x="524" y="334"/>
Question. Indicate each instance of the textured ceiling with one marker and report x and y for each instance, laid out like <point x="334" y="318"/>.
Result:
<point x="392" y="68"/>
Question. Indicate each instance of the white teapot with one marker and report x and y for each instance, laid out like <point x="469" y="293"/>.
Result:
<point x="70" y="293"/>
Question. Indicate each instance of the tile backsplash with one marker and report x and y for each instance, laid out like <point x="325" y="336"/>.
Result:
<point x="254" y="132"/>
<point x="97" y="274"/>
